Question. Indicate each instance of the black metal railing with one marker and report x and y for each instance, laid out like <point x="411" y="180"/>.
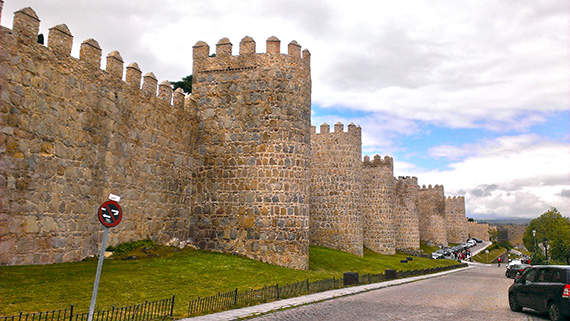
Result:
<point x="55" y="315"/>
<point x="146" y="311"/>
<point x="223" y="301"/>
<point x="234" y="299"/>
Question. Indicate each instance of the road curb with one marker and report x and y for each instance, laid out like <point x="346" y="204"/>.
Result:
<point x="265" y="308"/>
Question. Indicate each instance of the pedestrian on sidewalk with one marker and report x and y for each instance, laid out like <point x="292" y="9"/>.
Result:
<point x="499" y="261"/>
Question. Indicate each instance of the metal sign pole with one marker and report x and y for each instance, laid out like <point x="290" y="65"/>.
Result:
<point x="98" y="275"/>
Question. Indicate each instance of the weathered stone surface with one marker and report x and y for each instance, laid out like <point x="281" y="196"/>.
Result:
<point x="233" y="167"/>
<point x="70" y="134"/>
<point x="378" y="204"/>
<point x="253" y="113"/>
<point x="456" y="221"/>
<point x="481" y="231"/>
<point x="431" y="211"/>
<point x="336" y="219"/>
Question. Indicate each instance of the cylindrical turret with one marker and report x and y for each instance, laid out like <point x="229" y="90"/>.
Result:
<point x="253" y="149"/>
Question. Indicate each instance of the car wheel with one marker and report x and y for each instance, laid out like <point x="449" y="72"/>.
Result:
<point x="514" y="303"/>
<point x="554" y="312"/>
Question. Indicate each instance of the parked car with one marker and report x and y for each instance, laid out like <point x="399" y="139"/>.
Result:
<point x="513" y="262"/>
<point x="545" y="288"/>
<point x="513" y="269"/>
<point x="478" y="240"/>
<point x="438" y="254"/>
<point x="443" y="254"/>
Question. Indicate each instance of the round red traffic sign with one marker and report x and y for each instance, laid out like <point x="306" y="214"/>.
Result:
<point x="110" y="213"/>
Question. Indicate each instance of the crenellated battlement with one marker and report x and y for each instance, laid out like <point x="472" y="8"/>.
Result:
<point x="26" y="26"/>
<point x="338" y="129"/>
<point x="408" y="180"/>
<point x="438" y="188"/>
<point x="248" y="58"/>
<point x="387" y="161"/>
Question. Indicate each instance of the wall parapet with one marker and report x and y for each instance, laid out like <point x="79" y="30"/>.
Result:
<point x="223" y="60"/>
<point x="338" y="129"/>
<point x="26" y="25"/>
<point x="378" y="161"/>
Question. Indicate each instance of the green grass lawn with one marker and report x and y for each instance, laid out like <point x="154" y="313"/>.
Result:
<point x="185" y="273"/>
<point x="482" y="257"/>
<point x="428" y="249"/>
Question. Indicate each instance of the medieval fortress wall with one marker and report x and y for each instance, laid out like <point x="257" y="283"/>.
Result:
<point x="335" y="190"/>
<point x="233" y="167"/>
<point x="72" y="133"/>
<point x="253" y="149"/>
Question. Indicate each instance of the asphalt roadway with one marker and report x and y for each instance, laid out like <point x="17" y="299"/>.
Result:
<point x="478" y="292"/>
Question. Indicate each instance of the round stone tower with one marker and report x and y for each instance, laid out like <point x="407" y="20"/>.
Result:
<point x="253" y="148"/>
<point x="336" y="184"/>
<point x="378" y="204"/>
<point x="431" y="212"/>
<point x="406" y="216"/>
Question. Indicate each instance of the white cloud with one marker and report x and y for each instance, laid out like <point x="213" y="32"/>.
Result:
<point x="487" y="64"/>
<point x="500" y="66"/>
<point x="509" y="176"/>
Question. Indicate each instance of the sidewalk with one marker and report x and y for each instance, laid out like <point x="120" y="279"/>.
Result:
<point x="260" y="309"/>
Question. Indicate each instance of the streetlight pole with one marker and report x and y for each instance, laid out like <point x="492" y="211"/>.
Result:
<point x="534" y="243"/>
<point x="545" y="241"/>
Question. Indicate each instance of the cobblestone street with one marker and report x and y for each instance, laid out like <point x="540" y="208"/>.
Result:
<point x="478" y="294"/>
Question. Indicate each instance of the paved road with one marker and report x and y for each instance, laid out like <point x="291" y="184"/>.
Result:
<point x="480" y="247"/>
<point x="478" y="293"/>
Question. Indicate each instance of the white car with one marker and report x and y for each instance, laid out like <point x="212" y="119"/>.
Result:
<point x="513" y="262"/>
<point x="471" y="243"/>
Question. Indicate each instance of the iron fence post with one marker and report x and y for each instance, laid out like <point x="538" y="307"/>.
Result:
<point x="308" y="287"/>
<point x="172" y="307"/>
<point x="235" y="297"/>
<point x="71" y="313"/>
<point x="277" y="286"/>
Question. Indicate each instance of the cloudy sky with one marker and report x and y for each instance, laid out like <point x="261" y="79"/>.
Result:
<point x="474" y="95"/>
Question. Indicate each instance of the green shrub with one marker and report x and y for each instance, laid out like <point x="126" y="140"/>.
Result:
<point x="130" y="246"/>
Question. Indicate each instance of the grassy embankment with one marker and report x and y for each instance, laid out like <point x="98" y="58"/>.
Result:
<point x="185" y="273"/>
<point x="495" y="250"/>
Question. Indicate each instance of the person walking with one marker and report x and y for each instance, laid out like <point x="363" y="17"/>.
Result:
<point x="499" y="261"/>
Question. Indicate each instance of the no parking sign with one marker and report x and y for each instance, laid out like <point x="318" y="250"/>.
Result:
<point x="110" y="213"/>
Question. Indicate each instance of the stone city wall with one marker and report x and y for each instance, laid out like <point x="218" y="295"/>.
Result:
<point x="481" y="231"/>
<point x="229" y="168"/>
<point x="456" y="220"/>
<point x="406" y="220"/>
<point x="378" y="204"/>
<point x="253" y="149"/>
<point x="431" y="212"/>
<point x="335" y="189"/>
<point x="71" y="134"/>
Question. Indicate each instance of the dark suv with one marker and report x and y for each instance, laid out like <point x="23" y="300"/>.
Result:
<point x="545" y="288"/>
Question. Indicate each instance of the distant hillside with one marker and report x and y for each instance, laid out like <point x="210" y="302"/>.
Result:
<point x="506" y="221"/>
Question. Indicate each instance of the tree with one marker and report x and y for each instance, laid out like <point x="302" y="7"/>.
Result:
<point x="553" y="227"/>
<point x="560" y="245"/>
<point x="185" y="84"/>
<point x="493" y="234"/>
